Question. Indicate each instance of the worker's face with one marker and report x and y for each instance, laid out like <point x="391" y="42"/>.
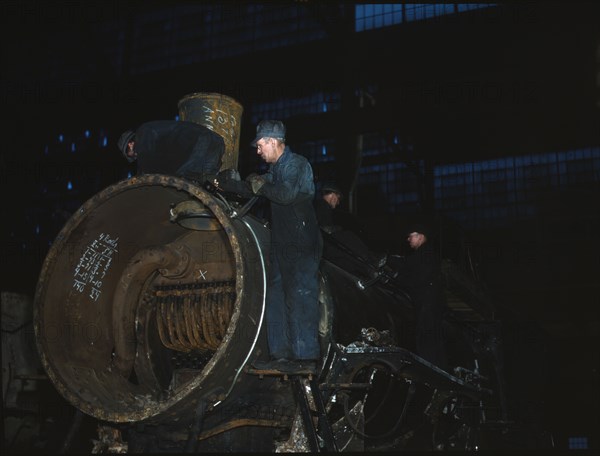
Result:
<point x="130" y="150"/>
<point x="333" y="199"/>
<point x="416" y="240"/>
<point x="266" y="148"/>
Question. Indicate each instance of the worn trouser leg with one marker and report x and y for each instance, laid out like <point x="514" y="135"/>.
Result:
<point x="276" y="315"/>
<point x="301" y="288"/>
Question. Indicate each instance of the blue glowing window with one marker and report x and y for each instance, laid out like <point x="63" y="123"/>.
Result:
<point x="284" y="108"/>
<point x="87" y="134"/>
<point x="61" y="138"/>
<point x="372" y="16"/>
<point x="69" y="185"/>
<point x="578" y="443"/>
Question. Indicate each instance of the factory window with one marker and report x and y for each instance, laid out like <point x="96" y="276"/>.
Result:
<point x="581" y="166"/>
<point x="578" y="443"/>
<point x="462" y="7"/>
<point x="513" y="187"/>
<point x="284" y="108"/>
<point x="313" y="151"/>
<point x="370" y="16"/>
<point x="194" y="33"/>
<point x="393" y="183"/>
<point x="373" y="16"/>
<point x="374" y="145"/>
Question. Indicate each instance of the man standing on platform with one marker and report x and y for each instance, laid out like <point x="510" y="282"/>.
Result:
<point x="292" y="309"/>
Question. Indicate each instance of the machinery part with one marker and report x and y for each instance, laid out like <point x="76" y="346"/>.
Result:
<point x="141" y="316"/>
<point x="309" y="398"/>
<point x="389" y="433"/>
<point x="73" y="430"/>
<point x="457" y="426"/>
<point x="220" y="113"/>
<point x="195" y="318"/>
<point x="192" y="443"/>
<point x="305" y="412"/>
<point x="124" y="293"/>
<point x="194" y="216"/>
<point x="389" y="376"/>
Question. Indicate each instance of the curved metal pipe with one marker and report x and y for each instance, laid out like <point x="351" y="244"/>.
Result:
<point x="262" y="311"/>
<point x="167" y="260"/>
<point x="111" y="361"/>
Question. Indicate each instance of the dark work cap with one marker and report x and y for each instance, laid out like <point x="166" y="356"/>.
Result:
<point x="269" y="129"/>
<point x="419" y="228"/>
<point x="124" y="140"/>
<point x="331" y="188"/>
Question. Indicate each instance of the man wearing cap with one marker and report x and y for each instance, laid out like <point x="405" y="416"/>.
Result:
<point x="292" y="309"/>
<point x="331" y="196"/>
<point x="177" y="148"/>
<point x="420" y="274"/>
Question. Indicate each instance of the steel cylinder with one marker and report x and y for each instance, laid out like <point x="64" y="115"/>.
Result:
<point x="152" y="299"/>
<point x="220" y="113"/>
<point x="136" y="315"/>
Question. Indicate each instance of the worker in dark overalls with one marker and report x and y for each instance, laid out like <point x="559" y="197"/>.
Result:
<point x="292" y="309"/>
<point x="176" y="148"/>
<point x="420" y="273"/>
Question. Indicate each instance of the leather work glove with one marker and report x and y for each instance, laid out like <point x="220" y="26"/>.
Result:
<point x="256" y="182"/>
<point x="230" y="174"/>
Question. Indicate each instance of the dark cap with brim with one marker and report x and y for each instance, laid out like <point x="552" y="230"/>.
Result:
<point x="419" y="228"/>
<point x="331" y="188"/>
<point x="269" y="129"/>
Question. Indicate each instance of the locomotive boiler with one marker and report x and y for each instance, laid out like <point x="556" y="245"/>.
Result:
<point x="149" y="311"/>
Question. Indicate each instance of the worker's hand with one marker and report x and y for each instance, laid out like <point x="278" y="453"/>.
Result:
<point x="227" y="175"/>
<point x="256" y="182"/>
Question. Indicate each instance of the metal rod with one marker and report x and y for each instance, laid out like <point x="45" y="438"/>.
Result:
<point x="192" y="443"/>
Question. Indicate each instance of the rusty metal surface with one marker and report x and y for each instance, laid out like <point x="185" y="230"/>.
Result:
<point x="220" y="113"/>
<point x="297" y="442"/>
<point x="194" y="318"/>
<point x="237" y="423"/>
<point x="139" y="317"/>
<point x="97" y="316"/>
